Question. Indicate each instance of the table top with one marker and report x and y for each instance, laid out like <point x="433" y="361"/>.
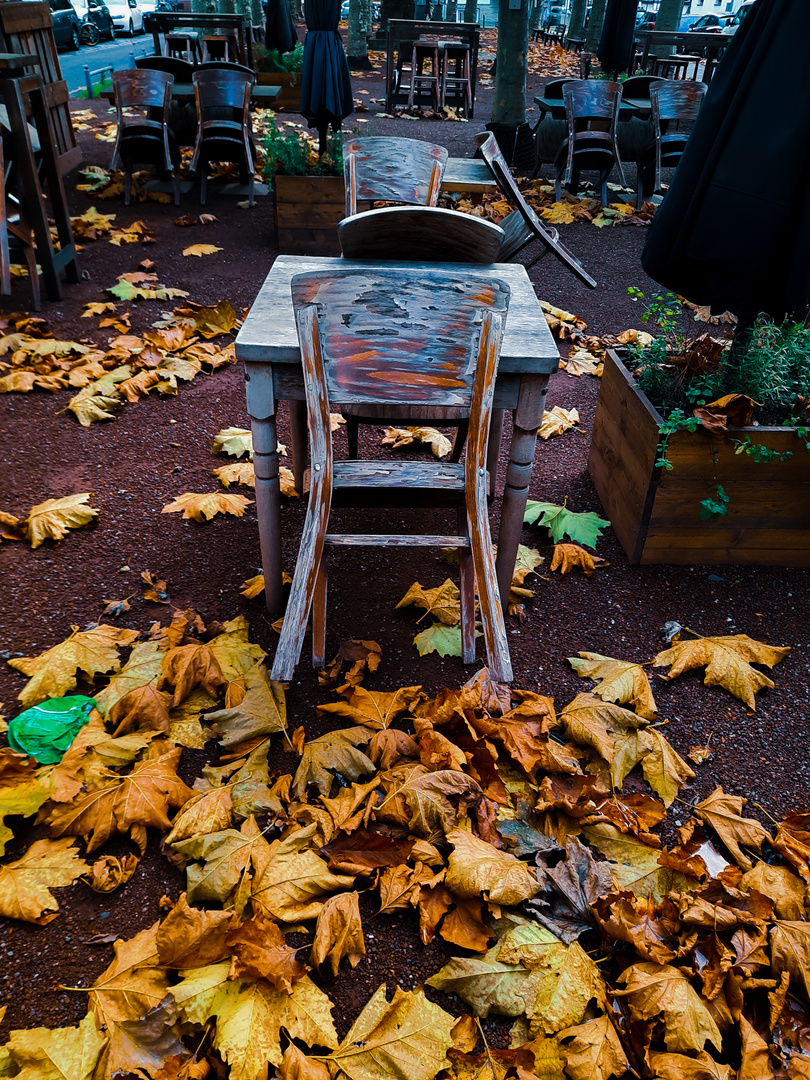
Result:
<point x="558" y="104"/>
<point x="269" y="335"/>
<point x="258" y="93"/>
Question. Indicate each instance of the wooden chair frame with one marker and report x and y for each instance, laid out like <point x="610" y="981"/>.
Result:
<point x="589" y="102"/>
<point x="151" y="90"/>
<point x="392" y="170"/>
<point x="457" y="367"/>
<point x="670" y="101"/>
<point x="219" y="138"/>
<point x="522" y="227"/>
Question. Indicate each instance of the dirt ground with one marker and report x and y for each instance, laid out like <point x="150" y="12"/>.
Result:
<point x="157" y="449"/>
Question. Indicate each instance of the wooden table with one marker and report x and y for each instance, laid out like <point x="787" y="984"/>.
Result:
<point x="163" y="22"/>
<point x="268" y="346"/>
<point x="714" y="44"/>
<point x="555" y="107"/>
<point x="468" y="175"/>
<point x="260" y="96"/>
<point x="409" y="30"/>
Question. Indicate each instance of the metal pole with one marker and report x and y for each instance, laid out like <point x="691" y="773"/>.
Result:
<point x="88" y="82"/>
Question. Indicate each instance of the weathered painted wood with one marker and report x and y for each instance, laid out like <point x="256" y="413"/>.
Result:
<point x="307" y="210"/>
<point x="344" y="320"/>
<point x="467" y="176"/>
<point x="392" y="170"/>
<point x="395" y="540"/>
<point x="655" y="513"/>
<point x="420" y="233"/>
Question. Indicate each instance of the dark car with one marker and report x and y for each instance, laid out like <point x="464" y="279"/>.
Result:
<point x="647" y="24"/>
<point x="66" y="25"/>
<point x="96" y="21"/>
<point x="709" y="24"/>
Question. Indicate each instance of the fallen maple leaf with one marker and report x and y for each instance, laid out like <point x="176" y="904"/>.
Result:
<point x="237" y="472"/>
<point x="443" y="602"/>
<point x="234" y="441"/>
<point x="581" y="528"/>
<point x="662" y="992"/>
<point x="617" y="680"/>
<point x="441" y="639"/>
<point x="567" y="557"/>
<point x="374" y="708"/>
<point x="25" y="885"/>
<point x="67" y="1053"/>
<point x="156" y="590"/>
<point x="556" y="421"/>
<point x="338" y="933"/>
<point x="259" y="952"/>
<point x="201" y="249"/>
<point x="53" y="673"/>
<point x="476" y="868"/>
<point x="335" y="752"/>
<point x="727" y="661"/>
<point x="362" y="656"/>
<point x="262" y="711"/>
<point x="595" y="1051"/>
<point x="397" y="438"/>
<point x="204" y="506"/>
<point x="51" y="519"/>
<point x="722" y="813"/>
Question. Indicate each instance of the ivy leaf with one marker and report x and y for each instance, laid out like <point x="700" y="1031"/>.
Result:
<point x="581" y="528"/>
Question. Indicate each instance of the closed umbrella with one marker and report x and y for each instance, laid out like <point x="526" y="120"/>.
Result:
<point x="615" y="50"/>
<point x="326" y="86"/>
<point x="733" y="231"/>
<point x="280" y="32"/>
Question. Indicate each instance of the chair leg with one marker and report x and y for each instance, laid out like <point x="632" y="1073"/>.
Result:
<point x="459" y="440"/>
<point x="352" y="431"/>
<point x="31" y="262"/>
<point x="319" y="619"/>
<point x="494" y="449"/>
<point x="303" y="588"/>
<point x="467" y="590"/>
<point x="251" y="183"/>
<point x="127" y="186"/>
<point x="176" y="177"/>
<point x="299" y="442"/>
<point x="203" y="182"/>
<point x="497" y="647"/>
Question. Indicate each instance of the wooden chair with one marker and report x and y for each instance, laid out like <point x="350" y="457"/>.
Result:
<point x="180" y="70"/>
<point x="522" y="227"/>
<point x="435" y="341"/>
<point x="675" y="66"/>
<point x="549" y="133"/>
<point x="222" y="97"/>
<point x="633" y="136"/>
<point x="16" y="235"/>
<point x="673" y="103"/>
<point x="420" y="234"/>
<point x="392" y="170"/>
<point x="144" y="138"/>
<point x="219" y="47"/>
<point x="183" y="46"/>
<point x="592" y="113"/>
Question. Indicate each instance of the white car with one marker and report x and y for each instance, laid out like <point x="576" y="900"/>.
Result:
<point x="127" y="16"/>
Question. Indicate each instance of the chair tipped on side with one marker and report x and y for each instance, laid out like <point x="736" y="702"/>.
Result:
<point x="388" y="336"/>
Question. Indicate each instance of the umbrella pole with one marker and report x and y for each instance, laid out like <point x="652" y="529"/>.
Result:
<point x="322" y="140"/>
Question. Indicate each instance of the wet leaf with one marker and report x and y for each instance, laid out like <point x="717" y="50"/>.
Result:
<point x="477" y="868"/>
<point x="335" y="752"/>
<point x="722" y="813"/>
<point x="568" y="557"/>
<point x="443" y="602"/>
<point x="202" y="506"/>
<point x="727" y="661"/>
<point x="662" y="992"/>
<point x="338" y="933"/>
<point x="110" y="872"/>
<point x="68" y="1053"/>
<point x="193" y="937"/>
<point x="581" y="528"/>
<point x="234" y="441"/>
<point x="262" y="711"/>
<point x="26" y="883"/>
<point x="373" y="708"/>
<point x="595" y="1051"/>
<point x="259" y="952"/>
<point x="50" y="520"/>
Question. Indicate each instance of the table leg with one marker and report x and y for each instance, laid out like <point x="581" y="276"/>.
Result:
<point x="262" y="413"/>
<point x="528" y="417"/>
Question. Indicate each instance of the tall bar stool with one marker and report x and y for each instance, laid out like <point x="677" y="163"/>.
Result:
<point x="675" y="67"/>
<point x="404" y="61"/>
<point x="424" y="72"/>
<point x="183" y="46"/>
<point x="455" y="66"/>
<point x="219" y="47"/>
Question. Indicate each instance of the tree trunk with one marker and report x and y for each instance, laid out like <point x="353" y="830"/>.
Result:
<point x="296" y="9"/>
<point x="356" y="44"/>
<point x="669" y="15"/>
<point x="595" y="25"/>
<point x="576" y="23"/>
<point x="451" y="13"/>
<point x="471" y="11"/>
<point x="511" y="64"/>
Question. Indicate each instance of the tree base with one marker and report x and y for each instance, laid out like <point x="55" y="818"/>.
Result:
<point x="516" y="143"/>
<point x="359" y="63"/>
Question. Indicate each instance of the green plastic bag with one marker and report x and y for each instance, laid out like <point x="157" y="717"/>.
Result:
<point x="45" y="731"/>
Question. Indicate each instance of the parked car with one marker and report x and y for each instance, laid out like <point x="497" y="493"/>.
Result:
<point x="127" y="16"/>
<point x="96" y="21"/>
<point x="738" y="17"/>
<point x="67" y="27"/>
<point x="647" y="24"/>
<point x="709" y="24"/>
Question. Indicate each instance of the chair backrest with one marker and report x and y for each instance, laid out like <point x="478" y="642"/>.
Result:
<point x="638" y="86"/>
<point x="222" y="88"/>
<point x="679" y="99"/>
<point x="419" y="234"/>
<point x="141" y="89"/>
<point x="591" y="99"/>
<point x="393" y="170"/>
<point x="553" y="90"/>
<point x="395" y="336"/>
<point x="225" y="65"/>
<point x="181" y="70"/>
<point x="491" y="153"/>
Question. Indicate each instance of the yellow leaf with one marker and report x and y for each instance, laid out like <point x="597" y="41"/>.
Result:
<point x="556" y="421"/>
<point x="407" y="1038"/>
<point x="662" y="992"/>
<point x="374" y="708"/>
<point x="618" y="680"/>
<point x="201" y="249"/>
<point x="289" y="877"/>
<point x="26" y="883"/>
<point x="68" y="1053"/>
<point x="262" y="711"/>
<point x="338" y="933"/>
<point x="568" y="557"/>
<point x="109" y="872"/>
<point x="233" y="441"/>
<point x="722" y="813"/>
<point x="443" y="602"/>
<point x="559" y="213"/>
<point x="206" y="505"/>
<point x="132" y="984"/>
<point x="727" y="661"/>
<point x="51" y="519"/>
<point x="399" y="437"/>
<point x="595" y="1051"/>
<point x="238" y="472"/>
<point x="477" y="868"/>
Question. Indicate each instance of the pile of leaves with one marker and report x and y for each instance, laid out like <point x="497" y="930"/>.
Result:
<point x="129" y="367"/>
<point x="541" y="197"/>
<point x="500" y="822"/>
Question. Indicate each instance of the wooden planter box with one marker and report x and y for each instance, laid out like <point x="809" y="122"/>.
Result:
<point x="289" y="100"/>
<point x="655" y="512"/>
<point x="308" y="209"/>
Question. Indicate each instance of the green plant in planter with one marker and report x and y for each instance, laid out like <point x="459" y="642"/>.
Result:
<point x="294" y="152"/>
<point x="271" y="60"/>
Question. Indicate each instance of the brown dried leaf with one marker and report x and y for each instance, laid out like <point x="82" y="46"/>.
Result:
<point x="202" y="506"/>
<point x="338" y="933"/>
<point x="568" y="557"/>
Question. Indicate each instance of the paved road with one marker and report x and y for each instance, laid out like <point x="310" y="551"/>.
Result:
<point x="119" y="53"/>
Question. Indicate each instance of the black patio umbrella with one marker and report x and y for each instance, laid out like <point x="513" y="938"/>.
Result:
<point x="326" y="86"/>
<point x="280" y="32"/>
<point x="615" y="50"/>
<point x="733" y="231"/>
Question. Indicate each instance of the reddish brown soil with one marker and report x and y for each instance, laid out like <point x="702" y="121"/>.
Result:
<point x="160" y="448"/>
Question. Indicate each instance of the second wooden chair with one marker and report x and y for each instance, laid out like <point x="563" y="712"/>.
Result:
<point x="392" y="170"/>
